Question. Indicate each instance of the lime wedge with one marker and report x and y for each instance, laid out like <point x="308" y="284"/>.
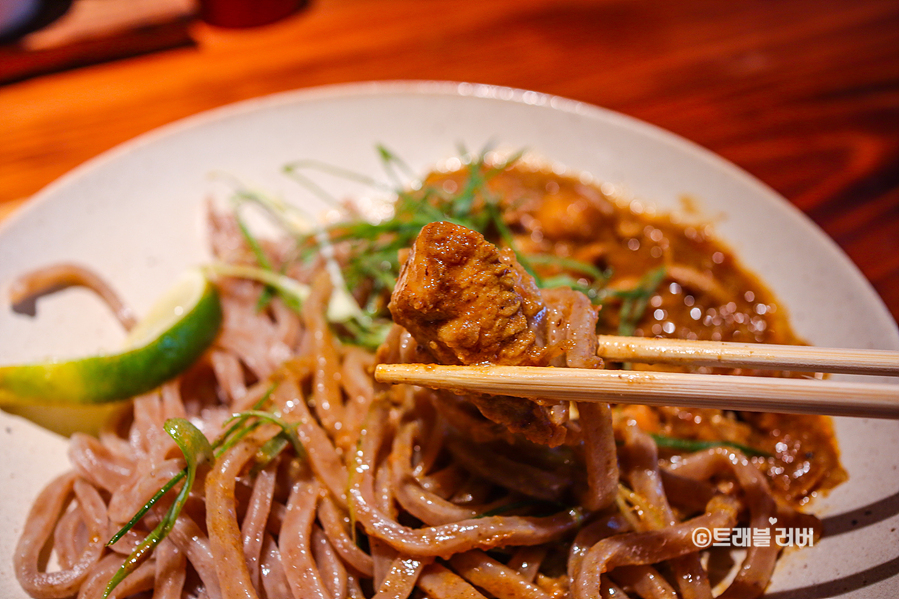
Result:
<point x="176" y="332"/>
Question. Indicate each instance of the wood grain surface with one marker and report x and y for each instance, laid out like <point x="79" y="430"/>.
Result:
<point x="803" y="94"/>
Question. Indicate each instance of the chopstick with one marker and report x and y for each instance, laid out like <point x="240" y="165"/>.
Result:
<point x="795" y="358"/>
<point x="727" y="392"/>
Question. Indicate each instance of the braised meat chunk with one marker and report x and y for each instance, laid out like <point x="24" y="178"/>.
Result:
<point x="468" y="302"/>
<point x="465" y="301"/>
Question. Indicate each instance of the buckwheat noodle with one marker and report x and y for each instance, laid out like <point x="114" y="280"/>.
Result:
<point x="402" y="492"/>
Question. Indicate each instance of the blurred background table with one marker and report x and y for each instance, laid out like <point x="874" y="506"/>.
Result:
<point x="803" y="94"/>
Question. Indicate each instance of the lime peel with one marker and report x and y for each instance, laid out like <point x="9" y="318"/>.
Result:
<point x="176" y="332"/>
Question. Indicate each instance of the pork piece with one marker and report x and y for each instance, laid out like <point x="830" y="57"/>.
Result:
<point x="468" y="302"/>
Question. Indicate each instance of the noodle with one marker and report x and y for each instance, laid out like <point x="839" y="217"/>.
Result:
<point x="333" y="523"/>
<point x="39" y="527"/>
<point x="221" y="521"/>
<point x="301" y="570"/>
<point x="399" y="582"/>
<point x="328" y="485"/>
<point x="494" y="577"/>
<point x="59" y="276"/>
<point x="253" y="528"/>
<point x="171" y="571"/>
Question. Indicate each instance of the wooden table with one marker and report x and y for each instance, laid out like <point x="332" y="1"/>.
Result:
<point x="804" y="94"/>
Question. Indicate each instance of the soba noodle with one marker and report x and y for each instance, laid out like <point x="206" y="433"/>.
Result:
<point x="405" y="492"/>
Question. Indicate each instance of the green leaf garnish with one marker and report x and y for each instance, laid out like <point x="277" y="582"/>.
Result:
<point x="571" y="264"/>
<point x="196" y="450"/>
<point x="369" y="334"/>
<point x="372" y="262"/>
<point x="288" y="429"/>
<point x="391" y="163"/>
<point x="692" y="445"/>
<point x="291" y="291"/>
<point x="269" y="451"/>
<point x="296" y="168"/>
<point x="635" y="300"/>
<point x="223" y="443"/>
<point x="267" y="293"/>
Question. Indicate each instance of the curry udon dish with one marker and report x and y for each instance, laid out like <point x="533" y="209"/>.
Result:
<point x="275" y="466"/>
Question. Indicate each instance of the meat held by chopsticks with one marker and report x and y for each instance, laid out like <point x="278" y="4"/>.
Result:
<point x="467" y="302"/>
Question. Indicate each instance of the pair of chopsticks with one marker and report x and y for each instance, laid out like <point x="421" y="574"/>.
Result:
<point x="727" y="392"/>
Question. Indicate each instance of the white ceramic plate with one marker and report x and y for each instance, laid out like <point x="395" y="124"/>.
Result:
<point x="136" y="213"/>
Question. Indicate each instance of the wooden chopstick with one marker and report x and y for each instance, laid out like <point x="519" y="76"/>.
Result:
<point x="796" y="358"/>
<point x="757" y="394"/>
